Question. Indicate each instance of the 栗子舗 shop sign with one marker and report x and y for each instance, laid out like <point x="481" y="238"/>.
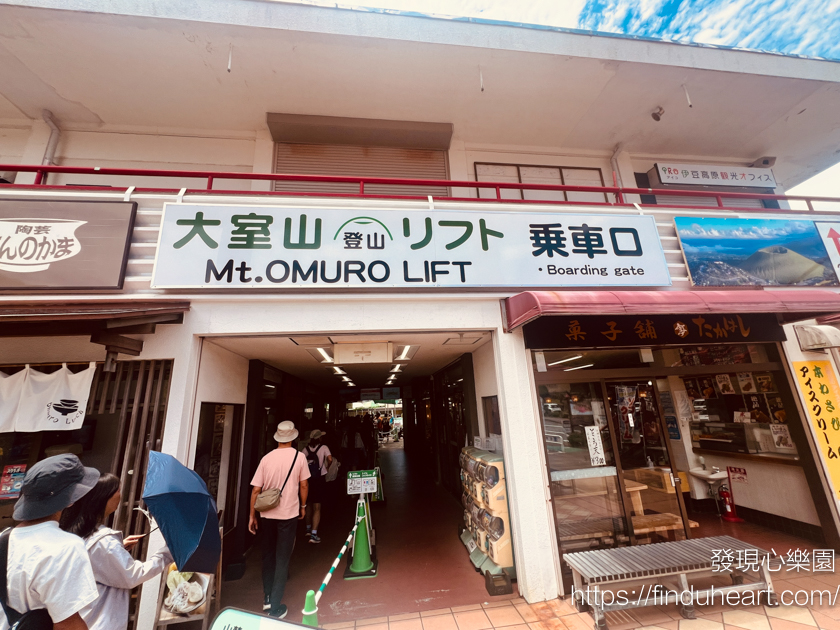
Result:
<point x="214" y="246"/>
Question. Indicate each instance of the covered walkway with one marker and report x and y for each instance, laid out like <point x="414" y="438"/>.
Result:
<point x="422" y="563"/>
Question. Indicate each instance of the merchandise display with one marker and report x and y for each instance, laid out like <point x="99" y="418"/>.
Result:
<point x="486" y="530"/>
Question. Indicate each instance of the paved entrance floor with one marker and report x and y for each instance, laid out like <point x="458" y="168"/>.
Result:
<point x="426" y="581"/>
<point x="559" y="614"/>
<point x="422" y="563"/>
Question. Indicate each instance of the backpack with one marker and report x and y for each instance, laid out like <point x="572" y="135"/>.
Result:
<point x="312" y="462"/>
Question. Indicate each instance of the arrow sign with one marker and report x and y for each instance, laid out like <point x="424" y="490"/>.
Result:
<point x="834" y="236"/>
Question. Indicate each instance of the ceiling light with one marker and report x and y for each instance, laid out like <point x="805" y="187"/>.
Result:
<point x="346" y="379"/>
<point x="396" y="368"/>
<point x="338" y="370"/>
<point x="404" y="354"/>
<point x="580" y="356"/>
<point x="351" y="384"/>
<point x="578" y="367"/>
<point x="323" y="353"/>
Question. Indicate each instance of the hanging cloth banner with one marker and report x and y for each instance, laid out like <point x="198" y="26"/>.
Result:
<point x="54" y="402"/>
<point x="11" y="387"/>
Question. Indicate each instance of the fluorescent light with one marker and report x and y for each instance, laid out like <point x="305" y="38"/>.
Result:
<point x="404" y="354"/>
<point x="578" y="367"/>
<point x="346" y="379"/>
<point x="338" y="370"/>
<point x="327" y="358"/>
<point x="271" y="386"/>
<point x="351" y="384"/>
<point x="396" y="368"/>
<point x="580" y="356"/>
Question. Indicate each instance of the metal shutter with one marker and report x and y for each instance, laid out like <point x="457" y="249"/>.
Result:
<point x="729" y="202"/>
<point x="332" y="159"/>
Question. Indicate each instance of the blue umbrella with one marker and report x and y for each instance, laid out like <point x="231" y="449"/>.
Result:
<point x="186" y="513"/>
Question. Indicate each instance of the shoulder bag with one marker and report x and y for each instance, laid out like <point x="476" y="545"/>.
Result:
<point x="31" y="620"/>
<point x="270" y="499"/>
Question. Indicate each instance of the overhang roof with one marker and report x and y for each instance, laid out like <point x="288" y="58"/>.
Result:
<point x="144" y="65"/>
<point x="83" y="317"/>
<point x="790" y="305"/>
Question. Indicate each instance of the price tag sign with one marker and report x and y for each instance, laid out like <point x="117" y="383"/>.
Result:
<point x="471" y="546"/>
<point x="361" y="482"/>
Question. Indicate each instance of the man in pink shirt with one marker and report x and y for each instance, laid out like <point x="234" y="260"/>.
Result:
<point x="283" y="468"/>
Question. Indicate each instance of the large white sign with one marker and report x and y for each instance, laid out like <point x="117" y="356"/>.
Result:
<point x="710" y="175"/>
<point x="209" y="246"/>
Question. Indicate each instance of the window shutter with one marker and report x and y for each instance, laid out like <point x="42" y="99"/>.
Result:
<point x="350" y="160"/>
<point x="729" y="202"/>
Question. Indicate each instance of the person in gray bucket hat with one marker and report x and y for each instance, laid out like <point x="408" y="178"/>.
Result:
<point x="47" y="568"/>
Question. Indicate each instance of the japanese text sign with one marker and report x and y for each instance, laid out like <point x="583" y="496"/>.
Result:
<point x="818" y="385"/>
<point x="234" y="619"/>
<point x="361" y="482"/>
<point x="64" y="244"/>
<point x="737" y="475"/>
<point x="650" y="330"/>
<point x="595" y="445"/>
<point x="281" y="247"/>
<point x="709" y="175"/>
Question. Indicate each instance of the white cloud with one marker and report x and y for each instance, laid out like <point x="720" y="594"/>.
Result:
<point x="803" y="27"/>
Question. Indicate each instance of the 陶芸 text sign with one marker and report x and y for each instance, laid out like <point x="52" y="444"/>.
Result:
<point x="214" y="246"/>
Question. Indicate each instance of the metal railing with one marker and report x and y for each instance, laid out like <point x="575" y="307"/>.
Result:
<point x="209" y="178"/>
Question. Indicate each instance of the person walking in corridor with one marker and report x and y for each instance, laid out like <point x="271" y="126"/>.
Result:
<point x="283" y="469"/>
<point x="318" y="459"/>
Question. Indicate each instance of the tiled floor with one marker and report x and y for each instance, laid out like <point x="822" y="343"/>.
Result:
<point x="426" y="581"/>
<point x="422" y="562"/>
<point x="559" y="614"/>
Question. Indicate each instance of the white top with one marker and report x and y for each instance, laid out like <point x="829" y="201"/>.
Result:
<point x="323" y="453"/>
<point x="48" y="568"/>
<point x="116" y="573"/>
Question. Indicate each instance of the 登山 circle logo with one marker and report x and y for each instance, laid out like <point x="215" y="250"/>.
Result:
<point x="29" y="245"/>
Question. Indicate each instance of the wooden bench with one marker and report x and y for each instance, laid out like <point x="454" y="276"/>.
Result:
<point x="592" y="570"/>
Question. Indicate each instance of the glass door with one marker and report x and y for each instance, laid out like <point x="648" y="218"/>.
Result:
<point x="585" y="483"/>
<point x="642" y="445"/>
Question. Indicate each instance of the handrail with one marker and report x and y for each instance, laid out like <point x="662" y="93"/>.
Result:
<point x="210" y="177"/>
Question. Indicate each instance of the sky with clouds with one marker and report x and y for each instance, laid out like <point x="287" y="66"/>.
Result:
<point x="798" y="27"/>
<point x="794" y="27"/>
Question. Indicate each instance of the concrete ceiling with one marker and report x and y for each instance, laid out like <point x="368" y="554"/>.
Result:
<point x="436" y="350"/>
<point x="109" y="71"/>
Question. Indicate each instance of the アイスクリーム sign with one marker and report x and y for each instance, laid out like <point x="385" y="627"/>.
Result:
<point x="234" y="247"/>
<point x="818" y="385"/>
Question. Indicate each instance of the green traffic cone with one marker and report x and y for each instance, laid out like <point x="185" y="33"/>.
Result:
<point x="361" y="548"/>
<point x="310" y="610"/>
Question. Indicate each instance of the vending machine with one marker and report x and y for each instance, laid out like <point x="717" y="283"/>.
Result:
<point x="486" y="529"/>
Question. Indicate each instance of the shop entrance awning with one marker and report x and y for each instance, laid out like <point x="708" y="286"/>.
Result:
<point x="791" y="305"/>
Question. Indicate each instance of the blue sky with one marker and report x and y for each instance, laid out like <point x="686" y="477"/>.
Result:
<point x="797" y="27"/>
<point x="794" y="27"/>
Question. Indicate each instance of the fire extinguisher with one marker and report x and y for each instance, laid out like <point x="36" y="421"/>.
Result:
<point x="729" y="514"/>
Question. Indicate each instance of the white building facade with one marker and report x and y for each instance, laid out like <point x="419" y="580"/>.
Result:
<point x="252" y="89"/>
